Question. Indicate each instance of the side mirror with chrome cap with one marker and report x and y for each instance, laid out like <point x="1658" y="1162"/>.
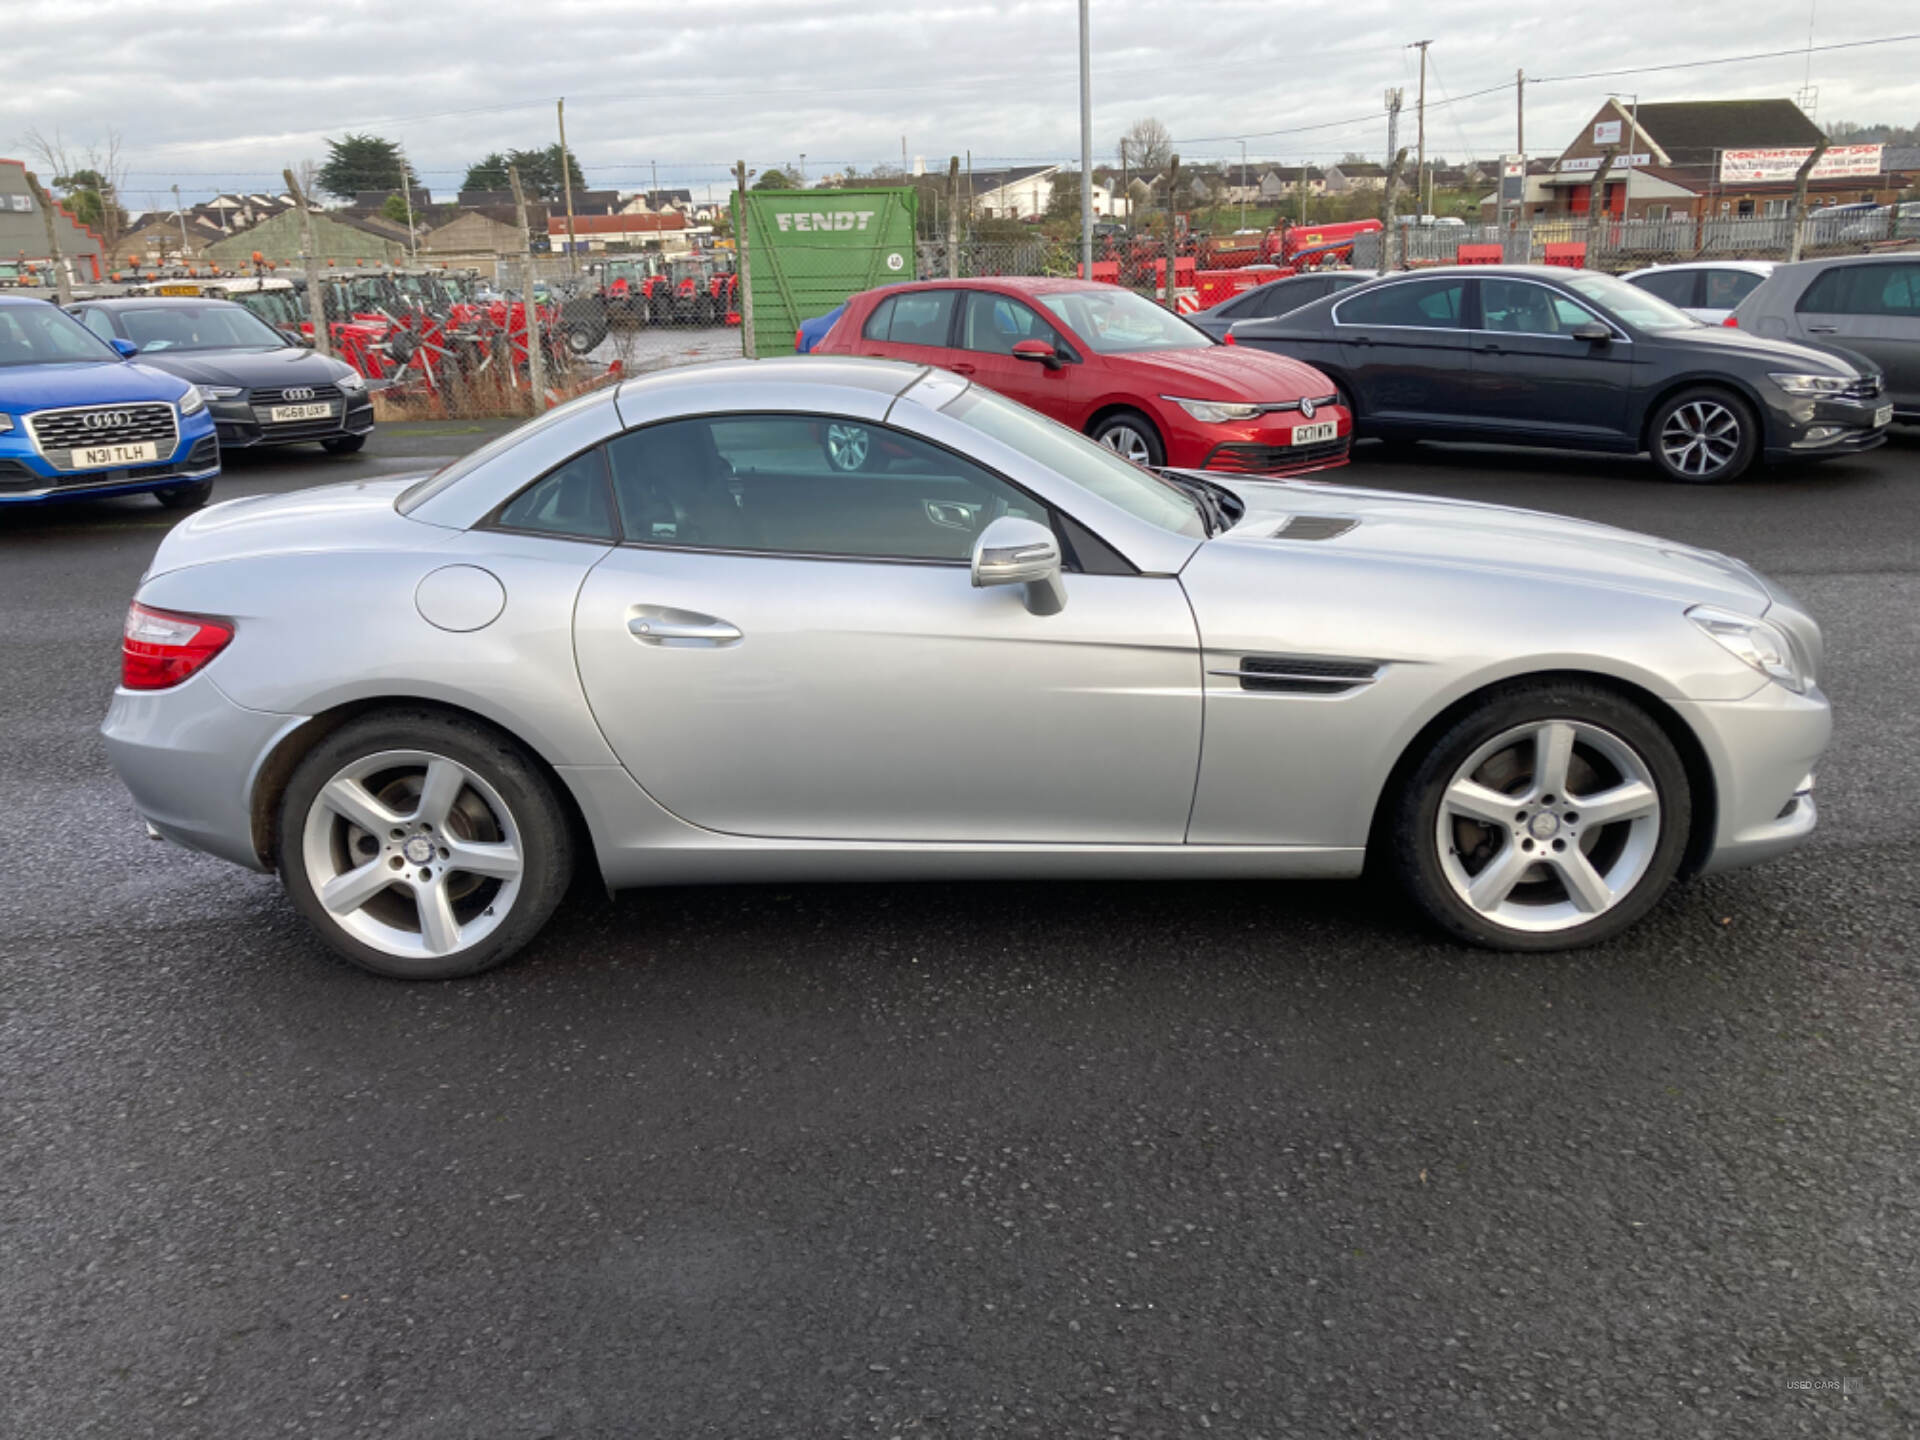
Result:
<point x="1592" y="331"/>
<point x="1016" y="551"/>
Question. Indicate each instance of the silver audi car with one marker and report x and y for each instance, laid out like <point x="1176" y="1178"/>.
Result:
<point x="829" y="619"/>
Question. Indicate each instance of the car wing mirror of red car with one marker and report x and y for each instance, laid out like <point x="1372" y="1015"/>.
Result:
<point x="1038" y="351"/>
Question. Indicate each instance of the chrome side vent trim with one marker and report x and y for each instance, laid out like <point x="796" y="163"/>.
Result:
<point x="1303" y="674"/>
<point x="1315" y="527"/>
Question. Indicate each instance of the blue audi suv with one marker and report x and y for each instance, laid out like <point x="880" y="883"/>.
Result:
<point x="77" y="417"/>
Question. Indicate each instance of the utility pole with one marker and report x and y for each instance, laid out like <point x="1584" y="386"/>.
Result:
<point x="1389" y="222"/>
<point x="180" y="215"/>
<point x="1243" y="184"/>
<point x="536" y="358"/>
<point x="1086" y="146"/>
<point x="62" y="288"/>
<point x="1126" y="184"/>
<point x="406" y="189"/>
<point x="953" y="217"/>
<point x="1520" y="113"/>
<point x="566" y="184"/>
<point x="1800" y="179"/>
<point x="1173" y="186"/>
<point x="740" y="228"/>
<point x="316" y="306"/>
<point x="656" y="175"/>
<point x="1420" y="165"/>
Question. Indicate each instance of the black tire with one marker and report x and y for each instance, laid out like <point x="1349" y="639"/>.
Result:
<point x="190" y="496"/>
<point x="579" y="341"/>
<point x="1646" y="861"/>
<point x="1150" y="451"/>
<point x="1695" y="409"/>
<point x="546" y="841"/>
<point x="344" y="444"/>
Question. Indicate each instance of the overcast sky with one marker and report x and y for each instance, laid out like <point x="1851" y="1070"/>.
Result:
<point x="220" y="94"/>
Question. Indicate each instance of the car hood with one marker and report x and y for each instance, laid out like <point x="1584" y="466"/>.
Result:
<point x="355" y="515"/>
<point x="1400" y="531"/>
<point x="1226" y="372"/>
<point x="250" y="369"/>
<point x="109" y="382"/>
<point x="1714" y="343"/>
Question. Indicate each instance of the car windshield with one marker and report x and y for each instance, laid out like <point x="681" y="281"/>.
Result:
<point x="197" y="327"/>
<point x="1113" y="321"/>
<point x="1091" y="466"/>
<point x="1639" y="308"/>
<point x="41" y="335"/>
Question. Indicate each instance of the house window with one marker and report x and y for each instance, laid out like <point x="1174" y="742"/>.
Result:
<point x="1658" y="212"/>
<point x="1746" y="207"/>
<point x="1776" y="209"/>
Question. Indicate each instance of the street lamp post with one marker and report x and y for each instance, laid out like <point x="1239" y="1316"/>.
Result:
<point x="1243" y="184"/>
<point x="1086" y="147"/>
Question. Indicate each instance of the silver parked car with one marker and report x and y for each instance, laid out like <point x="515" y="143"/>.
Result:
<point x="816" y="619"/>
<point x="1857" y="305"/>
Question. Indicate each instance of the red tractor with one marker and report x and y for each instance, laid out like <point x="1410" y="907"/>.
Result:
<point x="636" y="289"/>
<point x="699" y="290"/>
<point x="1312" y="247"/>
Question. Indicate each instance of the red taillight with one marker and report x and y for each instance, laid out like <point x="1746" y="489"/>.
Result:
<point x="159" y="648"/>
<point x="1731" y="321"/>
<point x="1228" y="339"/>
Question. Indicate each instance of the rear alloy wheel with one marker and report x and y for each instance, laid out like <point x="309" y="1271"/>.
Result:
<point x="421" y="846"/>
<point x="1703" y="436"/>
<point x="1133" y="436"/>
<point x="1549" y="817"/>
<point x="190" y="496"/>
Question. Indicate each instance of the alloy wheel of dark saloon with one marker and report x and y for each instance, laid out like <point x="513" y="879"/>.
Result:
<point x="1703" y="436"/>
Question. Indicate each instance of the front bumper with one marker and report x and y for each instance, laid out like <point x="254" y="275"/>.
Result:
<point x="241" y="428"/>
<point x="190" y="757"/>
<point x="26" y="478"/>
<point x="1763" y="751"/>
<point x="1262" y="446"/>
<point x="1801" y="427"/>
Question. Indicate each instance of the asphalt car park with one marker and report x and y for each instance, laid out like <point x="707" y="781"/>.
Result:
<point x="1063" y="1159"/>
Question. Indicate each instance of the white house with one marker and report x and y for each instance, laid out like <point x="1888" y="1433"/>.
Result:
<point x="1016" y="194"/>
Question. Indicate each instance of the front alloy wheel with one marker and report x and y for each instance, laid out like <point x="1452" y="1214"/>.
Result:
<point x="423" y="850"/>
<point x="1132" y="436"/>
<point x="1550" y="815"/>
<point x="1703" y="436"/>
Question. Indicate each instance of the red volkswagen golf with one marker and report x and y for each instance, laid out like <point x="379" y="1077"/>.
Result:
<point x="1112" y="364"/>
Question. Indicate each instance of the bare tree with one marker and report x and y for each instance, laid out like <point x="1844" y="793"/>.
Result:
<point x="1149" y="145"/>
<point x="88" y="181"/>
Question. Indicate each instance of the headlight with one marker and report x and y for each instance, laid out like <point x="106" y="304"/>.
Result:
<point x="1215" y="412"/>
<point x="220" y="392"/>
<point x="352" y="380"/>
<point x="6" y="422"/>
<point x="1812" y="384"/>
<point x="193" y="402"/>
<point x="1765" y="647"/>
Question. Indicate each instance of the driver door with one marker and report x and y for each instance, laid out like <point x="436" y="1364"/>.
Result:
<point x="788" y="644"/>
<point x="991" y="324"/>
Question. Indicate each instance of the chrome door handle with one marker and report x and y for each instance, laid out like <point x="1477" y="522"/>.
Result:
<point x="654" y="630"/>
<point x="1823" y="329"/>
<point x="1491" y="349"/>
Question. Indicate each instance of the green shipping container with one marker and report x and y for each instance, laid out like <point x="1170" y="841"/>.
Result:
<point x="808" y="250"/>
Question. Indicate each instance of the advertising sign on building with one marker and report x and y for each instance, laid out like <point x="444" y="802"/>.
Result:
<point x="1760" y="167"/>
<point x="1587" y="164"/>
<point x="1606" y="132"/>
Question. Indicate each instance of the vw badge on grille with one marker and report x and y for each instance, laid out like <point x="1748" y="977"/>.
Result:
<point x="106" y="419"/>
<point x="1306" y="409"/>
<point x="298" y="392"/>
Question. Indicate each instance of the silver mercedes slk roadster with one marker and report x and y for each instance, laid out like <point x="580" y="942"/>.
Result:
<point x="821" y="619"/>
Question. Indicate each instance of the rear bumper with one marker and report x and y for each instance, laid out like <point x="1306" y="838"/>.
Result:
<point x="190" y="756"/>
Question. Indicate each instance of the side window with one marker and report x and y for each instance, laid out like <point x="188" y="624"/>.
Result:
<point x="1676" y="287"/>
<point x="99" y="322"/>
<point x="806" y="485"/>
<point x="1427" y="304"/>
<point x="1519" y="307"/>
<point x="1727" y="288"/>
<point x="1864" y="290"/>
<point x="993" y="324"/>
<point x="879" y="320"/>
<point x="570" y="502"/>
<point x="917" y="318"/>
